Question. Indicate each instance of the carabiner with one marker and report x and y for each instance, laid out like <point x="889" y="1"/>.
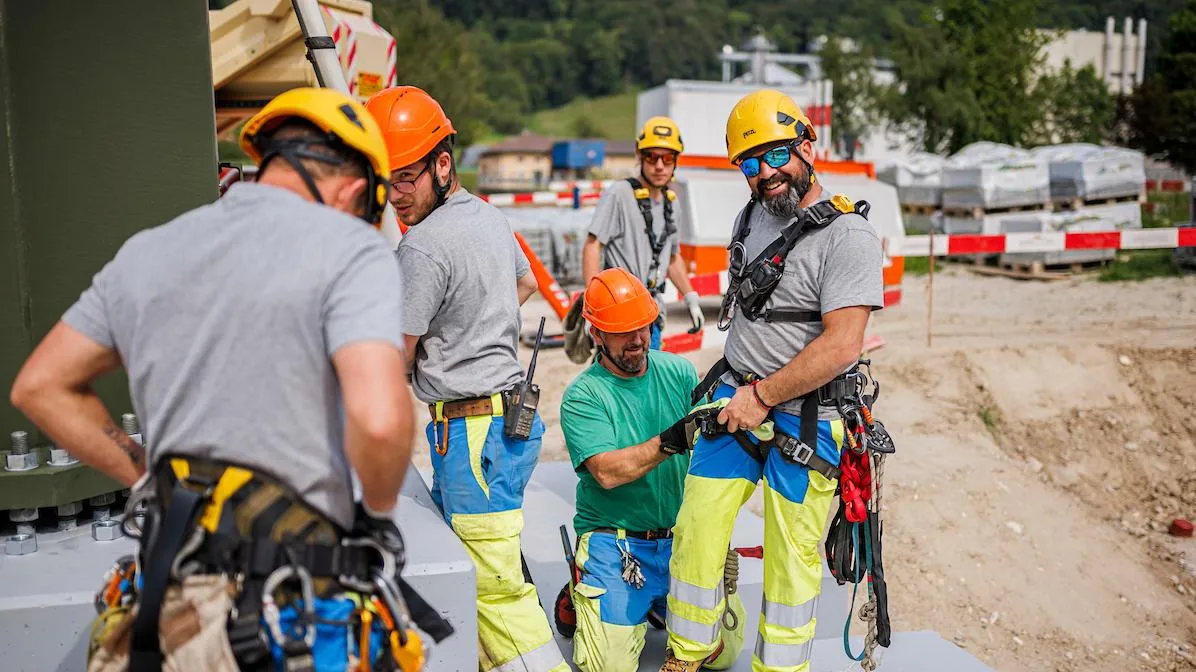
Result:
<point x="307" y="593"/>
<point x="390" y="566"/>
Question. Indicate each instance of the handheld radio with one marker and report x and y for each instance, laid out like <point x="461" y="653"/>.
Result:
<point x="521" y="411"/>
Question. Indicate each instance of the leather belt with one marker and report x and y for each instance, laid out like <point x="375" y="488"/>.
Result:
<point x="463" y="408"/>
<point x="648" y="535"/>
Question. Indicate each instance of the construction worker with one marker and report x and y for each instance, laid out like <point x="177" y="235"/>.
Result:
<point x="805" y="275"/>
<point x="624" y="422"/>
<point x="466" y="278"/>
<point x="261" y="335"/>
<point x="635" y="226"/>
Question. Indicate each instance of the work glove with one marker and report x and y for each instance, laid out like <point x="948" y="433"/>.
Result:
<point x="676" y="439"/>
<point x="695" y="312"/>
<point x="381" y="528"/>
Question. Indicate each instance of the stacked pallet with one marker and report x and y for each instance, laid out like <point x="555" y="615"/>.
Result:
<point x="989" y="188"/>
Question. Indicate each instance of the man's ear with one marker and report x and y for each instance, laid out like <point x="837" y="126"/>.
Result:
<point x="806" y="148"/>
<point x="349" y="195"/>
<point x="444" y="167"/>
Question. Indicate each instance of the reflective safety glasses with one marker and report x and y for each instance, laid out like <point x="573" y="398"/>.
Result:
<point x="652" y="158"/>
<point x="775" y="158"/>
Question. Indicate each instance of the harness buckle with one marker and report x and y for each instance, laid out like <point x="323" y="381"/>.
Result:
<point x="390" y="566"/>
<point x="794" y="449"/>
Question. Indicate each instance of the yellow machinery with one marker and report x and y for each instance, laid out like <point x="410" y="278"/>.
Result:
<point x="258" y="52"/>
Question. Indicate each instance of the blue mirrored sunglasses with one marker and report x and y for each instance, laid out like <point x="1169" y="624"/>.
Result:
<point x="775" y="157"/>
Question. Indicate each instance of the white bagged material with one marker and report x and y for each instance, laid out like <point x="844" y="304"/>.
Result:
<point x="989" y="175"/>
<point x="1114" y="217"/>
<point x="918" y="179"/>
<point x="1090" y="172"/>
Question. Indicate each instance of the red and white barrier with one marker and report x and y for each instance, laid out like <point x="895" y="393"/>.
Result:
<point x="1051" y="241"/>
<point x="563" y="199"/>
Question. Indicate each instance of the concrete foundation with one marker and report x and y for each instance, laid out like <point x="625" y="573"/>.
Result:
<point x="46" y="598"/>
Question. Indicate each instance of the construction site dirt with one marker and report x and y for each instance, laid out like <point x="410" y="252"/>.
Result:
<point x="1046" y="440"/>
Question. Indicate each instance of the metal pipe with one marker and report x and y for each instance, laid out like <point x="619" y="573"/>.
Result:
<point x="1127" y="54"/>
<point x="330" y="75"/>
<point x="1140" y="75"/>
<point x="1107" y="65"/>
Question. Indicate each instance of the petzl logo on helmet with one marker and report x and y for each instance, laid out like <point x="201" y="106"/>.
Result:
<point x="351" y="115"/>
<point x="750" y="131"/>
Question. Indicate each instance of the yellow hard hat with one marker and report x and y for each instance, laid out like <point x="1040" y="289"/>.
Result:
<point x="660" y="133"/>
<point x="345" y="120"/>
<point x="763" y="117"/>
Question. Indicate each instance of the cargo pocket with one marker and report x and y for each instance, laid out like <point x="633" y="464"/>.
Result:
<point x="192" y="631"/>
<point x="588" y="639"/>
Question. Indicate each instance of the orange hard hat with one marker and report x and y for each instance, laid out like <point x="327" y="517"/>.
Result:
<point x="412" y="122"/>
<point x="617" y="302"/>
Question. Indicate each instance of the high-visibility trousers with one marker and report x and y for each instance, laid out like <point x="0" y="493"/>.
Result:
<point x="797" y="501"/>
<point x="478" y="485"/>
<point x="612" y="615"/>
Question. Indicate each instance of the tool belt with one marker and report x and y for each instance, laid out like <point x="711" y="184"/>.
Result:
<point x="647" y="535"/>
<point x="216" y="518"/>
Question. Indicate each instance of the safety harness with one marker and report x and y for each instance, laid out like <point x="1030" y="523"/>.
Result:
<point x="643" y="198"/>
<point x="750" y="285"/>
<point x="209" y="517"/>
<point x="853" y="544"/>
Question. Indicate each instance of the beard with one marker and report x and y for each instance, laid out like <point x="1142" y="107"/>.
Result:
<point x="787" y="204"/>
<point x="631" y="362"/>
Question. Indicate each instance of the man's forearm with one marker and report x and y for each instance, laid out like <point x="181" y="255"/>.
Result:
<point x="620" y="467"/>
<point x="78" y="422"/>
<point x="817" y="364"/>
<point x="526" y="286"/>
<point x="380" y="461"/>
<point x="679" y="275"/>
<point x="591" y="258"/>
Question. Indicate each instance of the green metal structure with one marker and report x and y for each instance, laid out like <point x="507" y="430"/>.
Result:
<point x="106" y="128"/>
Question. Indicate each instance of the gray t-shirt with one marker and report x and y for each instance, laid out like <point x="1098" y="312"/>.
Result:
<point x="460" y="267"/>
<point x="834" y="267"/>
<point x="619" y="226"/>
<point x="225" y="319"/>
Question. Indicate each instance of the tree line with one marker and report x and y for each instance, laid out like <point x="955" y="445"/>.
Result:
<point x="965" y="70"/>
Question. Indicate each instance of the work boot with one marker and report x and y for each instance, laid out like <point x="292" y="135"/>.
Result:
<point x="673" y="664"/>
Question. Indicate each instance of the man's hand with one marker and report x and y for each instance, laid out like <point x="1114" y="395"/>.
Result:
<point x="675" y="440"/>
<point x="743" y="411"/>
<point x="695" y="311"/>
<point x="381" y="528"/>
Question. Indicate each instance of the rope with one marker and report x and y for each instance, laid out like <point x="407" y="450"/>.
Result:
<point x="868" y="610"/>
<point x="730" y="587"/>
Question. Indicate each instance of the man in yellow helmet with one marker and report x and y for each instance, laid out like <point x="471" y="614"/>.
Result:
<point x="805" y="273"/>
<point x="262" y="339"/>
<point x="634" y="225"/>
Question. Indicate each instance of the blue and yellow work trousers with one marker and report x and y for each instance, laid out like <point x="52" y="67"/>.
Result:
<point x="479" y="475"/>
<point x="722" y="476"/>
<point x="612" y="615"/>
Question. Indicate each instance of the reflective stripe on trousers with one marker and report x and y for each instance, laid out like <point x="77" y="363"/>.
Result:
<point x="544" y="659"/>
<point x="783" y="655"/>
<point x="705" y="599"/>
<point x="787" y="616"/>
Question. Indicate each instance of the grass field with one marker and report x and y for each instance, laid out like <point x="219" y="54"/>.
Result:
<point x="1131" y="265"/>
<point x="610" y="117"/>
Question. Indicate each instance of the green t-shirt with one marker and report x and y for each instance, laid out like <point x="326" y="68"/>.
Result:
<point x="600" y="412"/>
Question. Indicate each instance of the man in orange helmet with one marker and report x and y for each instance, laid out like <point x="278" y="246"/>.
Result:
<point x="624" y="421"/>
<point x="465" y="278"/>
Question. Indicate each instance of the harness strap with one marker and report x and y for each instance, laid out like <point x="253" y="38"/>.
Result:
<point x="643" y="199"/>
<point x="428" y="619"/>
<point x="790" y="315"/>
<point x="145" y="653"/>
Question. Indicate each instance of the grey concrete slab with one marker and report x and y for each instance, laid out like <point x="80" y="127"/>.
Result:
<point x="46" y="598"/>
